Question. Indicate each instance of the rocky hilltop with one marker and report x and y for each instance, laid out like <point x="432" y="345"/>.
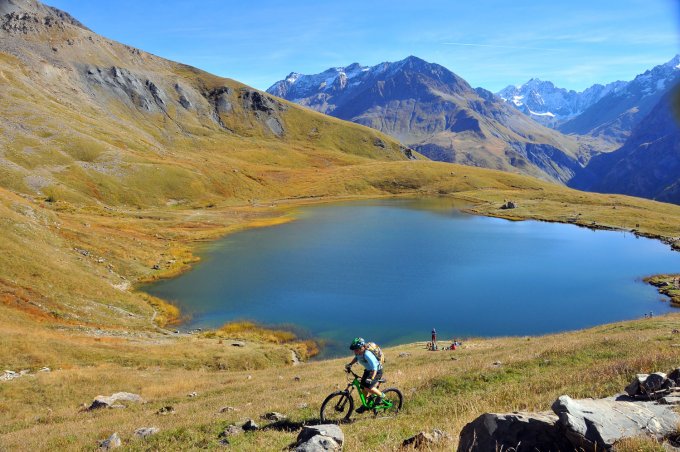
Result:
<point x="86" y="116"/>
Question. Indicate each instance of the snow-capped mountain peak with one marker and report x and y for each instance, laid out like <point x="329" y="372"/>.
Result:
<point x="551" y="105"/>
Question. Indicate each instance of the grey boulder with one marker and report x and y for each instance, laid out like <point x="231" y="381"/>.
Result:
<point x="112" y="442"/>
<point x="318" y="444"/>
<point x="110" y="401"/>
<point x="145" y="432"/>
<point x="325" y="437"/>
<point x="598" y="424"/>
<point x="514" y="431"/>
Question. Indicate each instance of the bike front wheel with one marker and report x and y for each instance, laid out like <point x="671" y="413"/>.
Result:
<point x="394" y="399"/>
<point x="337" y="407"/>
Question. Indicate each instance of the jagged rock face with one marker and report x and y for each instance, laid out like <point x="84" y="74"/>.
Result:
<point x="265" y="108"/>
<point x="648" y="164"/>
<point x="140" y="93"/>
<point x="434" y="111"/>
<point x="550" y="105"/>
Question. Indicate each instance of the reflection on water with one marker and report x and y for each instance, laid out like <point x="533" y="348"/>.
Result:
<point x="391" y="270"/>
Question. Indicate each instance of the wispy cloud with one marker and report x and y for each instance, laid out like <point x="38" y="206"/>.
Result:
<point x="498" y="46"/>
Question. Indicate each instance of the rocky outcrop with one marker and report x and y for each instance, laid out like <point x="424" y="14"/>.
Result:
<point x="145" y="432"/>
<point x="221" y="100"/>
<point x="585" y="424"/>
<point x="183" y="97"/>
<point x="112" y="442"/>
<point x="250" y="426"/>
<point x="130" y="88"/>
<point x="266" y="109"/>
<point x="11" y="375"/>
<point x="274" y="416"/>
<point x="425" y="440"/>
<point x="317" y="438"/>
<point x="514" y="431"/>
<point x="113" y="400"/>
<point x="598" y="424"/>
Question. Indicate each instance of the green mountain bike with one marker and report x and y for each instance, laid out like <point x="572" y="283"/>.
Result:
<point x="339" y="406"/>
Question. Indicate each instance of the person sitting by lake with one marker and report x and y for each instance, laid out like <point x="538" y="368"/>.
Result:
<point x="372" y="373"/>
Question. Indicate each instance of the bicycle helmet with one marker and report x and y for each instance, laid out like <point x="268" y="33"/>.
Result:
<point x="357" y="343"/>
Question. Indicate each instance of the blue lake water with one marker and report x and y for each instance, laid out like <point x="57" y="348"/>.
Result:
<point x="391" y="270"/>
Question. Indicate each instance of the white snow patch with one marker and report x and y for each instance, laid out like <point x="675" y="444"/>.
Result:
<point x="547" y="113"/>
<point x="293" y="78"/>
<point x="517" y="100"/>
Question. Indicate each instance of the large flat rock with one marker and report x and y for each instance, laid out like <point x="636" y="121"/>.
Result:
<point x="598" y="424"/>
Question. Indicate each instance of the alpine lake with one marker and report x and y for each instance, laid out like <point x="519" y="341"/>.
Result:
<point x="391" y="270"/>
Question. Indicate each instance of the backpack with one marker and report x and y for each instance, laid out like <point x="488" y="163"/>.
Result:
<point x="377" y="352"/>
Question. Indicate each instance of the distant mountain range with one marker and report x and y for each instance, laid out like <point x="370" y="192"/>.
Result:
<point x="609" y="111"/>
<point x="436" y="112"/>
<point x="550" y="105"/>
<point x="614" y="116"/>
<point x="648" y="164"/>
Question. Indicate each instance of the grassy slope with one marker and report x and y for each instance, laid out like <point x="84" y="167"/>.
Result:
<point x="443" y="390"/>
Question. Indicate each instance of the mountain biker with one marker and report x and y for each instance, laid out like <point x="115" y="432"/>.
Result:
<point x="372" y="373"/>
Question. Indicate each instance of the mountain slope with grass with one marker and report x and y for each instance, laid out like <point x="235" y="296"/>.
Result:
<point x="115" y="165"/>
<point x="82" y="117"/>
<point x="436" y="112"/>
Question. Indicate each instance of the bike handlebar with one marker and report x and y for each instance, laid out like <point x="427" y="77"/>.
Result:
<point x="350" y="371"/>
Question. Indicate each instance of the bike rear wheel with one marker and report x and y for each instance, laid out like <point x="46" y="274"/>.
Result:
<point x="337" y="407"/>
<point x="395" y="398"/>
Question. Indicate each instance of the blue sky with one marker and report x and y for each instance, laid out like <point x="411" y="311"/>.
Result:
<point x="490" y="43"/>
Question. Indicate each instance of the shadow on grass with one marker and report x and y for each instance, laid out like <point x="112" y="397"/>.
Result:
<point x="291" y="426"/>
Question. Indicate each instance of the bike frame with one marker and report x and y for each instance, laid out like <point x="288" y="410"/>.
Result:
<point x="356" y="383"/>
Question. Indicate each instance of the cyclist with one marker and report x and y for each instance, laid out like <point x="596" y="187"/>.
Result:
<point x="372" y="374"/>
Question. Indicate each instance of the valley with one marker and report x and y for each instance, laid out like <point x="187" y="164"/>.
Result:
<point x="117" y="165"/>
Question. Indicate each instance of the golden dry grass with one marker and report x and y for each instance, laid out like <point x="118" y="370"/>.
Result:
<point x="444" y="389"/>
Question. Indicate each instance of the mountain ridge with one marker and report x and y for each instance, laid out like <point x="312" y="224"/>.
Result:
<point x="648" y="164"/>
<point x="551" y="105"/>
<point x="439" y="114"/>
<point x="614" y="115"/>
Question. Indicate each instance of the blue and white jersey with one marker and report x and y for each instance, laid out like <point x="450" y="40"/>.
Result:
<point x="368" y="360"/>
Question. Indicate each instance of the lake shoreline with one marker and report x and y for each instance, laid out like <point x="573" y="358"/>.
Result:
<point x="286" y="208"/>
